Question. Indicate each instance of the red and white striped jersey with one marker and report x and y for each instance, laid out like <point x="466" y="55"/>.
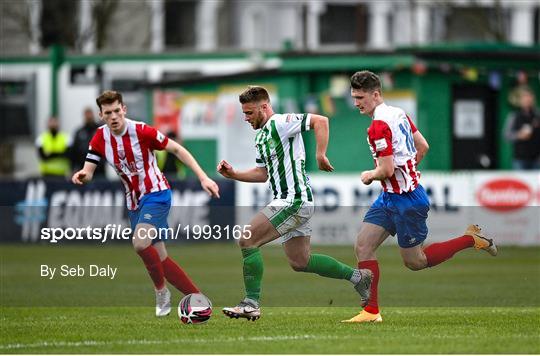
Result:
<point x="131" y="155"/>
<point x="391" y="133"/>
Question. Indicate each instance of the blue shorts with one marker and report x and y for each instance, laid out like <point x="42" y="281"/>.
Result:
<point x="404" y="213"/>
<point x="153" y="209"/>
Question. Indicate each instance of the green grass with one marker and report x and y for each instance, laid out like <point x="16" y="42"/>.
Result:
<point x="472" y="304"/>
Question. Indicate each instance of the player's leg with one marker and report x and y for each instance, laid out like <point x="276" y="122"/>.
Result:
<point x="439" y="252"/>
<point x="298" y="252"/>
<point x="296" y="231"/>
<point x="414" y="257"/>
<point x="156" y="209"/>
<point x="161" y="249"/>
<point x="174" y="274"/>
<point x="370" y="237"/>
<point x="259" y="232"/>
<point x="150" y="233"/>
<point x="412" y="231"/>
<point x="377" y="226"/>
<point x="297" y="249"/>
<point x="151" y="258"/>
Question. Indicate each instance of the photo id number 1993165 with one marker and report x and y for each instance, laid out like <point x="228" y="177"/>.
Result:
<point x="216" y="232"/>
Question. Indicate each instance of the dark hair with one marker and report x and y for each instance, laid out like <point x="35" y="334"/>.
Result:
<point x="365" y="80"/>
<point x="254" y="94"/>
<point x="109" y="97"/>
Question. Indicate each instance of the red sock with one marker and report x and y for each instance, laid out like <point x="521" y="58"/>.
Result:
<point x="177" y="277"/>
<point x="373" y="266"/>
<point x="152" y="262"/>
<point x="441" y="251"/>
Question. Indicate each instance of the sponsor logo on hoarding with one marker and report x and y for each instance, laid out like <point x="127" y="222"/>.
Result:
<point x="504" y="194"/>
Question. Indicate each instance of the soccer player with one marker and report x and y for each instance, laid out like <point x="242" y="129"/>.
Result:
<point x="128" y="146"/>
<point x="280" y="158"/>
<point x="397" y="147"/>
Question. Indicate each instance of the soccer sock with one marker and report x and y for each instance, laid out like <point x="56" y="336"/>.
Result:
<point x="152" y="262"/>
<point x="177" y="277"/>
<point x="373" y="266"/>
<point x="253" y="272"/>
<point x="327" y="266"/>
<point x="441" y="251"/>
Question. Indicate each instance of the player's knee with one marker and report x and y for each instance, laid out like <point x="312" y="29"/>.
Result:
<point x="139" y="244"/>
<point x="415" y="265"/>
<point x="363" y="251"/>
<point x="299" y="264"/>
<point x="246" y="243"/>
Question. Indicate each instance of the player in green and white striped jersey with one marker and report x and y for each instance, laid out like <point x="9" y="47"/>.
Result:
<point x="281" y="159"/>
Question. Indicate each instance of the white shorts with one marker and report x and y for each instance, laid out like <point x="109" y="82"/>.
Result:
<point x="290" y="218"/>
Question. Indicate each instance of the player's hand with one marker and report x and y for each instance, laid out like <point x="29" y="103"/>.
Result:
<point x="81" y="177"/>
<point x="366" y="177"/>
<point x="324" y="163"/>
<point x="210" y="187"/>
<point x="225" y="169"/>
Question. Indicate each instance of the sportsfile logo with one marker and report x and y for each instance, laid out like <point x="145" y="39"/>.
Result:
<point x="116" y="232"/>
<point x="504" y="194"/>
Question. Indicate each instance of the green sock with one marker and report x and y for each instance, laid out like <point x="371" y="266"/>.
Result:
<point x="253" y="272"/>
<point x="327" y="266"/>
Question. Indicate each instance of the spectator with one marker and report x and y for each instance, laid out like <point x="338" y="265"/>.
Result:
<point x="80" y="143"/>
<point x="523" y="130"/>
<point x="53" y="150"/>
<point x="168" y="163"/>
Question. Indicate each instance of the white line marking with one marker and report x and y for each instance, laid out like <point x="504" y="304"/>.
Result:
<point x="50" y="344"/>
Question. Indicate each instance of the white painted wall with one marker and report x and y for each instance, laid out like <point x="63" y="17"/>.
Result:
<point x="72" y="101"/>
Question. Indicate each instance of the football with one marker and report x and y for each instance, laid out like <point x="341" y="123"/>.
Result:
<point x="194" y="308"/>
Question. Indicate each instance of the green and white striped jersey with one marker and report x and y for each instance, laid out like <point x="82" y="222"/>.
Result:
<point x="280" y="148"/>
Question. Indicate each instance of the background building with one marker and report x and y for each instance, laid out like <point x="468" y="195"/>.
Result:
<point x="429" y="54"/>
<point x="31" y="26"/>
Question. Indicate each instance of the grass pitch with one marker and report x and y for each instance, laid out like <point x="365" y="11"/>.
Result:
<point x="471" y="304"/>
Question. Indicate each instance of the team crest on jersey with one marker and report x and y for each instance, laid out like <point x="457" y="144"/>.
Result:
<point x="273" y="152"/>
<point x="127" y="167"/>
<point x="160" y="137"/>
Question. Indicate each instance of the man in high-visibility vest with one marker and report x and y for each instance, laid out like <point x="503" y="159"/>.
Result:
<point x="53" y="149"/>
<point x="167" y="162"/>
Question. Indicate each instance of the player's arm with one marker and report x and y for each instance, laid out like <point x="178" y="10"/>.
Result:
<point x="421" y="145"/>
<point x="85" y="175"/>
<point x="384" y="170"/>
<point x="320" y="125"/>
<point x="252" y="175"/>
<point x="183" y="155"/>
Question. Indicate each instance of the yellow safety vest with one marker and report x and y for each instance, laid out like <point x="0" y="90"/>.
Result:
<point x="58" y="166"/>
<point x="161" y="157"/>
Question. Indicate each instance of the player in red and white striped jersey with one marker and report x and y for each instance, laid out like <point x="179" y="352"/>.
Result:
<point x="128" y="147"/>
<point x="392" y="134"/>
<point x="402" y="208"/>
